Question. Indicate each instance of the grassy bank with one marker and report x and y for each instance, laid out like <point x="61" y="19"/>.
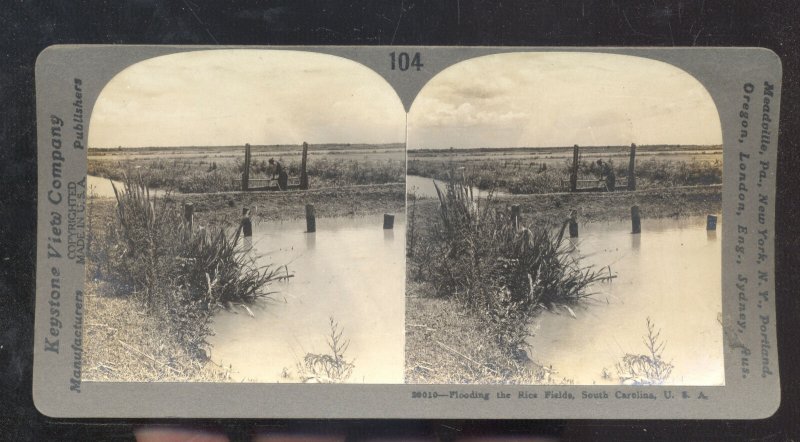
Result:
<point x="449" y="338"/>
<point x="534" y="177"/>
<point x="153" y="309"/>
<point x="201" y="176"/>
<point x="123" y="343"/>
<point x="446" y="344"/>
<point x="497" y="274"/>
<point x="143" y="256"/>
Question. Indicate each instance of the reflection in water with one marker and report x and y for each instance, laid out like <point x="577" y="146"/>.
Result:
<point x="671" y="273"/>
<point x="311" y="240"/>
<point x="388" y="235"/>
<point x="347" y="270"/>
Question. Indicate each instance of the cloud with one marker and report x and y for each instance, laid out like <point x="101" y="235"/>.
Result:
<point x="560" y="99"/>
<point x="229" y="97"/>
<point x="466" y="114"/>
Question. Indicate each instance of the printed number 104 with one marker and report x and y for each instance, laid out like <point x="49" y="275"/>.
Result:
<point x="404" y="61"/>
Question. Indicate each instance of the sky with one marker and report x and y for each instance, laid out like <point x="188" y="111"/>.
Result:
<point x="233" y="97"/>
<point x="562" y="99"/>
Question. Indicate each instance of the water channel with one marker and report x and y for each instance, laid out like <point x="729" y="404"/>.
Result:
<point x="351" y="269"/>
<point x="424" y="187"/>
<point x="669" y="273"/>
<point x="98" y="187"/>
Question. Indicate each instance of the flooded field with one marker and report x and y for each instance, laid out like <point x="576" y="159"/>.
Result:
<point x="669" y="273"/>
<point x="222" y="155"/>
<point x="101" y="187"/>
<point x="551" y="158"/>
<point x="350" y="269"/>
<point x="423" y="187"/>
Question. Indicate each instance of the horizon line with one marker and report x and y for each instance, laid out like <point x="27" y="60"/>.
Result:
<point x="563" y="147"/>
<point x="242" y="145"/>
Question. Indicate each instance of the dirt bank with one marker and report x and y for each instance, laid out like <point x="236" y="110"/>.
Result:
<point x="552" y="209"/>
<point x="592" y="207"/>
<point x="222" y="208"/>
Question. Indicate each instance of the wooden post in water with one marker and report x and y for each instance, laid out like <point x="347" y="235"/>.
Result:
<point x="246" y="171"/>
<point x="311" y="220"/>
<point x="188" y="216"/>
<point x="303" y="174"/>
<point x="388" y="221"/>
<point x="247" y="224"/>
<point x="573" y="177"/>
<point x="636" y="222"/>
<point x="711" y="222"/>
<point x="245" y="228"/>
<point x="515" y="212"/>
<point x="573" y="224"/>
<point x="631" y="168"/>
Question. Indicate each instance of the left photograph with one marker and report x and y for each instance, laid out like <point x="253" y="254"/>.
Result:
<point x="246" y="222"/>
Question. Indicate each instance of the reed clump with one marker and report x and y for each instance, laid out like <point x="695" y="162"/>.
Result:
<point x="502" y="272"/>
<point x="177" y="275"/>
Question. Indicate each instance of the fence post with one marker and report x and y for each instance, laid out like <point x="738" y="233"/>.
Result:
<point x="388" y="221"/>
<point x="246" y="171"/>
<point x="636" y="222"/>
<point x="515" y="212"/>
<point x="247" y="224"/>
<point x="711" y="222"/>
<point x="311" y="220"/>
<point x="573" y="177"/>
<point x="188" y="216"/>
<point x="303" y="175"/>
<point x="631" y="168"/>
<point x="573" y="224"/>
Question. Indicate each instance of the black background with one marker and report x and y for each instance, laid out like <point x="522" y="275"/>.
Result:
<point x="27" y="27"/>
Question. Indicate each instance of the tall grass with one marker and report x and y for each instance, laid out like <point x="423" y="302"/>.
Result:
<point x="502" y="273"/>
<point x="174" y="175"/>
<point x="203" y="177"/>
<point x="179" y="276"/>
<point x="411" y="235"/>
<point x="143" y="240"/>
<point x="530" y="177"/>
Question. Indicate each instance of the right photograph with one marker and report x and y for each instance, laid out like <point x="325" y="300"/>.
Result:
<point x="563" y="224"/>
